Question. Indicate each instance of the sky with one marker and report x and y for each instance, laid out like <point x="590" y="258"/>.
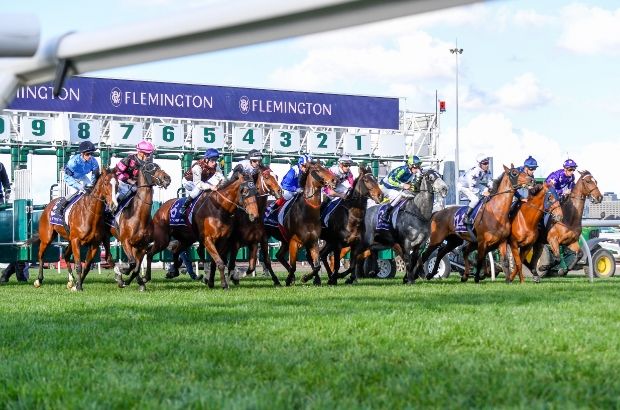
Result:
<point x="535" y="78"/>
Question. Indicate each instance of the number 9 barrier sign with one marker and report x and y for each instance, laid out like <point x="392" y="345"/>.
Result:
<point x="37" y="129"/>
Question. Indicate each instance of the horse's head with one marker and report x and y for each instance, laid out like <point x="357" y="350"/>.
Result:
<point x="439" y="185"/>
<point x="106" y="187"/>
<point x="552" y="204"/>
<point x="518" y="179"/>
<point x="154" y="175"/>
<point x="267" y="183"/>
<point x="589" y="187"/>
<point x="247" y="196"/>
<point x="368" y="182"/>
<point x="321" y="176"/>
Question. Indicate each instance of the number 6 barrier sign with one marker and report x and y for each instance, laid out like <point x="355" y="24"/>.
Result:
<point x="167" y="135"/>
<point x="84" y="130"/>
<point x="247" y="138"/>
<point x="285" y="141"/>
<point x="125" y="132"/>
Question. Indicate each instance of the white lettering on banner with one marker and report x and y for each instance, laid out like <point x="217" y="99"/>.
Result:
<point x="286" y="107"/>
<point x="167" y="100"/>
<point x="46" y="93"/>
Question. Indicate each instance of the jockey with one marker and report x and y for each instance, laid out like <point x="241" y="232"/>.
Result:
<point x="5" y="192"/>
<point x="563" y="179"/>
<point x="528" y="167"/>
<point x="77" y="170"/>
<point x="405" y="177"/>
<point x="250" y="165"/>
<point x="342" y="171"/>
<point x="474" y="184"/>
<point x="127" y="169"/>
<point x="290" y="182"/>
<point x="203" y="175"/>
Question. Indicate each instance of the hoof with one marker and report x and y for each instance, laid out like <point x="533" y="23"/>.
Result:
<point x="332" y="282"/>
<point x="277" y="284"/>
<point x="410" y="282"/>
<point x="141" y="288"/>
<point x="211" y="284"/>
<point x="305" y="279"/>
<point x="172" y="275"/>
<point x="225" y="287"/>
<point x="70" y="284"/>
<point x="316" y="281"/>
<point x="464" y="279"/>
<point x="235" y="281"/>
<point x="199" y="277"/>
<point x="37" y="283"/>
<point x="536" y="279"/>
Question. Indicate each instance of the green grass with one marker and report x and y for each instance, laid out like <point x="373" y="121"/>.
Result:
<point x="378" y="344"/>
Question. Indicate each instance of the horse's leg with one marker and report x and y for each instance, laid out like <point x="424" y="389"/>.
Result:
<point x="333" y="280"/>
<point x="323" y="257"/>
<point x="212" y="249"/>
<point x="451" y="243"/>
<point x="211" y="279"/>
<point x="66" y="255"/>
<point x="231" y="254"/>
<point x="75" y="246"/>
<point x="108" y="252"/>
<point x="466" y="251"/>
<point x="578" y="254"/>
<point x="313" y="251"/>
<point x="290" y="279"/>
<point x="138" y="257"/>
<point x="264" y="249"/>
<point x="482" y="250"/>
<point x="518" y="268"/>
<point x="90" y="256"/>
<point x="46" y="235"/>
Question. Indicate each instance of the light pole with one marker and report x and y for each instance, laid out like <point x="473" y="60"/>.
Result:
<point x="456" y="51"/>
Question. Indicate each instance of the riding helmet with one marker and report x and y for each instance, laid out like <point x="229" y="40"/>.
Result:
<point x="212" y="153"/>
<point x="255" y="155"/>
<point x="481" y="158"/>
<point x="569" y="163"/>
<point x="303" y="159"/>
<point x="145" y="146"/>
<point x="87" y="146"/>
<point x="530" y="163"/>
<point x="345" y="160"/>
<point x="414" y="160"/>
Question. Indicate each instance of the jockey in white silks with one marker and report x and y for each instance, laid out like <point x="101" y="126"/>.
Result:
<point x="475" y="184"/>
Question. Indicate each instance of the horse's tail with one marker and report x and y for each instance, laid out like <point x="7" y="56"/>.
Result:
<point x="34" y="240"/>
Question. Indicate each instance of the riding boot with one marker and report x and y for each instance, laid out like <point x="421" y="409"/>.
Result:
<point x="186" y="205"/>
<point x="383" y="235"/>
<point x="467" y="218"/>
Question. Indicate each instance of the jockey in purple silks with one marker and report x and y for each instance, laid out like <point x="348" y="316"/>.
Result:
<point x="563" y="179"/>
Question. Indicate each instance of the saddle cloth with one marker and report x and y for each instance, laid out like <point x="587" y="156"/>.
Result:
<point x="459" y="226"/>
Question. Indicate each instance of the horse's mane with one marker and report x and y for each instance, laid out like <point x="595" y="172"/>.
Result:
<point x="535" y="189"/>
<point x="303" y="176"/>
<point x="584" y="173"/>
<point x="496" y="183"/>
<point x="232" y="180"/>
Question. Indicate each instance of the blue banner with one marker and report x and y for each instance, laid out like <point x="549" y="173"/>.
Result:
<point x="170" y="100"/>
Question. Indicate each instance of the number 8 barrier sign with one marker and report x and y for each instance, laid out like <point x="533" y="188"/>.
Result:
<point x="84" y="130"/>
<point x="167" y="135"/>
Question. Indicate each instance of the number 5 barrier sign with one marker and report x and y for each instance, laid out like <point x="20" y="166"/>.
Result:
<point x="37" y="129"/>
<point x="125" y="132"/>
<point x="285" y="140"/>
<point x="247" y="138"/>
<point x="5" y="128"/>
<point x="208" y="136"/>
<point x="84" y="130"/>
<point x="167" y="135"/>
<point x="356" y="144"/>
<point x="321" y="142"/>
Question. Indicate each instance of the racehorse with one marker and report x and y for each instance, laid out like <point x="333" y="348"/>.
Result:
<point x="211" y="222"/>
<point x="246" y="233"/>
<point x="85" y="228"/>
<point x="135" y="226"/>
<point x="491" y="225"/>
<point x="302" y="223"/>
<point x="412" y="228"/>
<point x="542" y="200"/>
<point x="346" y="223"/>
<point x="568" y="231"/>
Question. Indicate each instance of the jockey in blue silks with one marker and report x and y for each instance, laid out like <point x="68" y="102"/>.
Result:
<point x="290" y="183"/>
<point x="529" y="166"/>
<point x="563" y="180"/>
<point x="78" y="169"/>
<point x="475" y="184"/>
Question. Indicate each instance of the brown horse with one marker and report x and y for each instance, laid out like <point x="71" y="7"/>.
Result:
<point x="211" y="224"/>
<point x="86" y="228"/>
<point x="491" y="225"/>
<point x="346" y="223"/>
<point x="568" y="231"/>
<point x="303" y="222"/>
<point x="246" y="233"/>
<point x="135" y="226"/>
<point x="542" y="200"/>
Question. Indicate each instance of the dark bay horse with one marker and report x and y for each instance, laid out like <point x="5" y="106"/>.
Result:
<point x="413" y="224"/>
<point x="247" y="233"/>
<point x="567" y="232"/>
<point x="135" y="226"/>
<point x="86" y="228"/>
<point x="211" y="224"/>
<point x="346" y="223"/>
<point x="491" y="225"/>
<point x="524" y="228"/>
<point x="303" y="223"/>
